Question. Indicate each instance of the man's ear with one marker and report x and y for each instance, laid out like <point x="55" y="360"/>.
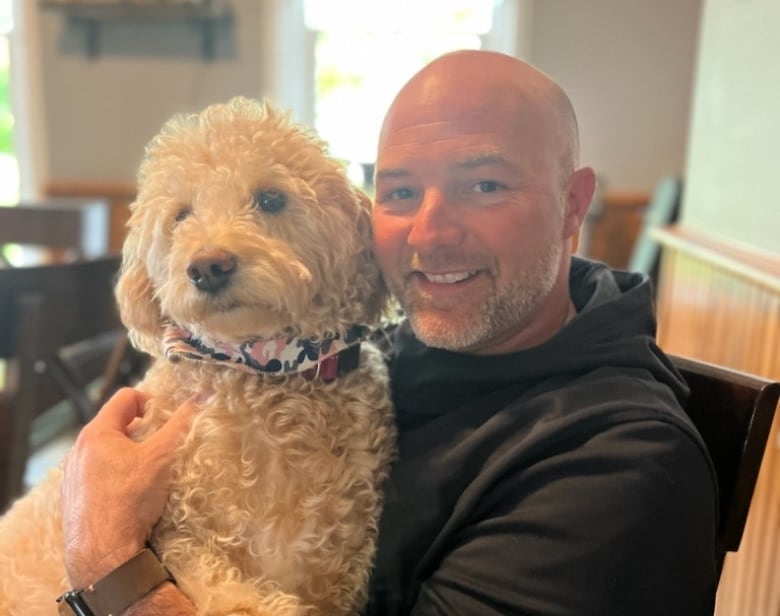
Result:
<point x="580" y="190"/>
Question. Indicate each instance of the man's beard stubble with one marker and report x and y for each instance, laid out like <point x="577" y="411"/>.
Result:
<point x="491" y="316"/>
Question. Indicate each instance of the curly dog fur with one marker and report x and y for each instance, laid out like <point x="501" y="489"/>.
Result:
<point x="275" y="499"/>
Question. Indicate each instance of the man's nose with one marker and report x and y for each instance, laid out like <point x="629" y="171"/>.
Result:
<point x="435" y="223"/>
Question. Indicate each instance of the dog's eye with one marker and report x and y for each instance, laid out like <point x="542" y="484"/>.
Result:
<point x="270" y="200"/>
<point x="183" y="213"/>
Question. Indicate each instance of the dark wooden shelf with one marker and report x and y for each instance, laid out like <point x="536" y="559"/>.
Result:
<point x="207" y="15"/>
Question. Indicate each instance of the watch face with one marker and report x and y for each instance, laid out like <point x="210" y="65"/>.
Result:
<point x="71" y="603"/>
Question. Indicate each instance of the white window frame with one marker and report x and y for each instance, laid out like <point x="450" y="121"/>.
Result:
<point x="292" y="48"/>
<point x="27" y="100"/>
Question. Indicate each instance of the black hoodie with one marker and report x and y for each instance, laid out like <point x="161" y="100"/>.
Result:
<point x="563" y="479"/>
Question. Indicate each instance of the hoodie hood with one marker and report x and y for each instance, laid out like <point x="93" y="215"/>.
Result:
<point x="614" y="328"/>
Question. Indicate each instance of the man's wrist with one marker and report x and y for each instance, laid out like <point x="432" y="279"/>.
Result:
<point x="120" y="588"/>
<point x="85" y="567"/>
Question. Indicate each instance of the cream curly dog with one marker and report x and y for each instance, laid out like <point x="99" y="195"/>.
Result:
<point x="247" y="272"/>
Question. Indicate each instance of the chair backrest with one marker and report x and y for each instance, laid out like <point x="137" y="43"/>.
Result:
<point x="58" y="326"/>
<point x="733" y="411"/>
<point x="77" y="226"/>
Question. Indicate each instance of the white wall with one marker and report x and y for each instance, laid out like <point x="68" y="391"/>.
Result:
<point x="627" y="66"/>
<point x="734" y="157"/>
<point x="100" y="112"/>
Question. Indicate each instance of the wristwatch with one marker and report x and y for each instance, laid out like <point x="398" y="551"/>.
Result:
<point x="113" y="594"/>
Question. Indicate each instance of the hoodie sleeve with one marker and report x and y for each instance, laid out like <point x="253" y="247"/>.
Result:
<point x="623" y="522"/>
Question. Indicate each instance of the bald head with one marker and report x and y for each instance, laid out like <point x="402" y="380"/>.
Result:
<point x="478" y="203"/>
<point x="494" y="87"/>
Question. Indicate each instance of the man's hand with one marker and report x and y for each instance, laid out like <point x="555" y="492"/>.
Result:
<point x="114" y="489"/>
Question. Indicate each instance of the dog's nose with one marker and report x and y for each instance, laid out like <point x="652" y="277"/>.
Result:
<point x="210" y="271"/>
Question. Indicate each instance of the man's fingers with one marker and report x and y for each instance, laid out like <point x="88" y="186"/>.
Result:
<point x="124" y="406"/>
<point x="173" y="432"/>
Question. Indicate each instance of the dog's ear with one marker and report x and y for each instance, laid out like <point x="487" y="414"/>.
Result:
<point x="368" y="279"/>
<point x="134" y="291"/>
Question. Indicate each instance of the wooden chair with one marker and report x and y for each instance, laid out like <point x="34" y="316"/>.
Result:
<point x="733" y="411"/>
<point x="67" y="229"/>
<point x="59" y="327"/>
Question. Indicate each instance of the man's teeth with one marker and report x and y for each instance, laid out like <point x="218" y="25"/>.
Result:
<point x="448" y="278"/>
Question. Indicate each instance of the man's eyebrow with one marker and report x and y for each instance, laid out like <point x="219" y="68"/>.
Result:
<point x="472" y="162"/>
<point x="480" y="160"/>
<point x="383" y="174"/>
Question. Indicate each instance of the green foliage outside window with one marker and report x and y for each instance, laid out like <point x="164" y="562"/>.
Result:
<point x="6" y="119"/>
<point x="9" y="168"/>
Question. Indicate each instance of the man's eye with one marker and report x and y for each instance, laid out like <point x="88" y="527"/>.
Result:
<point x="487" y="186"/>
<point x="400" y="194"/>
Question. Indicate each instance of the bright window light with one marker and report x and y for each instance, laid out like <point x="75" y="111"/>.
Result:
<point x="366" y="50"/>
<point x="420" y="16"/>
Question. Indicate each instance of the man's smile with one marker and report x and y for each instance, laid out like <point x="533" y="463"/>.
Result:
<point x="447" y="278"/>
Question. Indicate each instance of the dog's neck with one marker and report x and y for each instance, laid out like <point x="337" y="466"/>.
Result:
<point x="324" y="359"/>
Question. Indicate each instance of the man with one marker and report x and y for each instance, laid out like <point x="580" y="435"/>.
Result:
<point x="545" y="464"/>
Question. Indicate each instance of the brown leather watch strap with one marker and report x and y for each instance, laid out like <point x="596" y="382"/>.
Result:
<point x="126" y="584"/>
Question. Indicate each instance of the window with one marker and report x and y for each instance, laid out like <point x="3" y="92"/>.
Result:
<point x="9" y="169"/>
<point x="365" y="50"/>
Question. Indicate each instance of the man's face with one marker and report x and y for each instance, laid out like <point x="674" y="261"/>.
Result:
<point x="468" y="221"/>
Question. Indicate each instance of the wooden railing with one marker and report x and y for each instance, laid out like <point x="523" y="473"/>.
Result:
<point x="720" y="302"/>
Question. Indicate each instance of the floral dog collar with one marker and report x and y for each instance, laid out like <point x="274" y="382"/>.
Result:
<point x="325" y="359"/>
